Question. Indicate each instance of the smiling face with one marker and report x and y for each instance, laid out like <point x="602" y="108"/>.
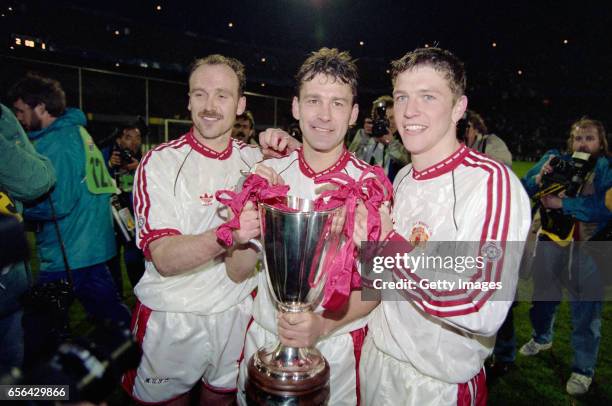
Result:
<point x="214" y="102"/>
<point x="426" y="114"/>
<point x="325" y="111"/>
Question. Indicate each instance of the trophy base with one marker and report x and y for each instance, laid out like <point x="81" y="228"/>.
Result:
<point x="262" y="389"/>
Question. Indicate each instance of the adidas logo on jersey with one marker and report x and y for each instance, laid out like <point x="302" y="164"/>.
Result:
<point x="206" y="199"/>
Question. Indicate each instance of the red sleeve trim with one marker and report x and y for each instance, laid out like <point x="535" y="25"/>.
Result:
<point x="394" y="236"/>
<point x="151" y="236"/>
<point x="495" y="228"/>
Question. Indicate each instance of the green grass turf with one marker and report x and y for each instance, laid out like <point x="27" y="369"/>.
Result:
<point x="520" y="168"/>
<point x="538" y="380"/>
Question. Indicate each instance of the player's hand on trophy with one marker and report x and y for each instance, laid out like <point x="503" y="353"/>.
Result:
<point x="338" y="220"/>
<point x="249" y="224"/>
<point x="300" y="329"/>
<point x="360" y="232"/>
<point x="276" y="143"/>
<point x="269" y="174"/>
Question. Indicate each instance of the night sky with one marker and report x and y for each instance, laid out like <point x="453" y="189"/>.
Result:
<point x="563" y="50"/>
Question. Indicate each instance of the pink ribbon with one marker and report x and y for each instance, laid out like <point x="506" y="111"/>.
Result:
<point x="255" y="189"/>
<point x="342" y="275"/>
<point x="373" y="191"/>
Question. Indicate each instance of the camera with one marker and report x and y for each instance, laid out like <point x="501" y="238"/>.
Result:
<point x="567" y="175"/>
<point x="91" y="366"/>
<point x="126" y="156"/>
<point x="380" y="124"/>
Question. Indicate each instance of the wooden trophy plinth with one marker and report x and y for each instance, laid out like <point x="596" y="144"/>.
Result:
<point x="262" y="389"/>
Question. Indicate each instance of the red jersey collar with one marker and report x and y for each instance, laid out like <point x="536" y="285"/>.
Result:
<point x="338" y="166"/>
<point x="204" y="150"/>
<point x="442" y="167"/>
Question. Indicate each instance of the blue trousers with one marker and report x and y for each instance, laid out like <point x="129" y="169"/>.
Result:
<point x="505" y="343"/>
<point x="95" y="289"/>
<point x="582" y="279"/>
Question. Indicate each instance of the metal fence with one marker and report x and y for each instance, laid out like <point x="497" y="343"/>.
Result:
<point x="111" y="98"/>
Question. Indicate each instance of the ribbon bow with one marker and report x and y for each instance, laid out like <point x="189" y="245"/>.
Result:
<point x="373" y="191"/>
<point x="255" y="189"/>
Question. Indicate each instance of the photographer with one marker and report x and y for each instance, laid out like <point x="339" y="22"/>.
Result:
<point x="572" y="209"/>
<point x="24" y="176"/>
<point x="74" y="237"/>
<point x="381" y="146"/>
<point x="477" y="138"/>
<point x="122" y="158"/>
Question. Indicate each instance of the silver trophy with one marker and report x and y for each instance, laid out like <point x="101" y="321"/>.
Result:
<point x="298" y="247"/>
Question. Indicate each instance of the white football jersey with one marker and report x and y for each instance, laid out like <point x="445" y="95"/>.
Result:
<point x="301" y="178"/>
<point x="466" y="197"/>
<point x="174" y="194"/>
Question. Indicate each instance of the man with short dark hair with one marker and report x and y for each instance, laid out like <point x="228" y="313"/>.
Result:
<point x="325" y="105"/>
<point x="122" y="158"/>
<point x="74" y="221"/>
<point x="428" y="346"/>
<point x="244" y="128"/>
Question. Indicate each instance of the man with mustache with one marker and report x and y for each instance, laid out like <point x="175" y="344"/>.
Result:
<point x="325" y="106"/>
<point x="428" y="345"/>
<point x="244" y="128"/>
<point x="551" y="262"/>
<point x="190" y="317"/>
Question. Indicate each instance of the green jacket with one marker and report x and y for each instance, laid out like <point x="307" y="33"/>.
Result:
<point x="84" y="218"/>
<point x="24" y="176"/>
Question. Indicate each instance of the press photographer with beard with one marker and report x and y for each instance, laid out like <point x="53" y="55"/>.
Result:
<point x="74" y="238"/>
<point x="554" y="251"/>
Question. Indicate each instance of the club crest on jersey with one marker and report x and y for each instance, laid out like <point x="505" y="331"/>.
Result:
<point x="491" y="251"/>
<point x="419" y="235"/>
<point x="141" y="221"/>
<point x="206" y="199"/>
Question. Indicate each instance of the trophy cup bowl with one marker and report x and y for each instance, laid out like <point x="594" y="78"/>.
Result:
<point x="297" y="247"/>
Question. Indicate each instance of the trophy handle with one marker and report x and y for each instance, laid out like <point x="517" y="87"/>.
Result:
<point x="257" y="244"/>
